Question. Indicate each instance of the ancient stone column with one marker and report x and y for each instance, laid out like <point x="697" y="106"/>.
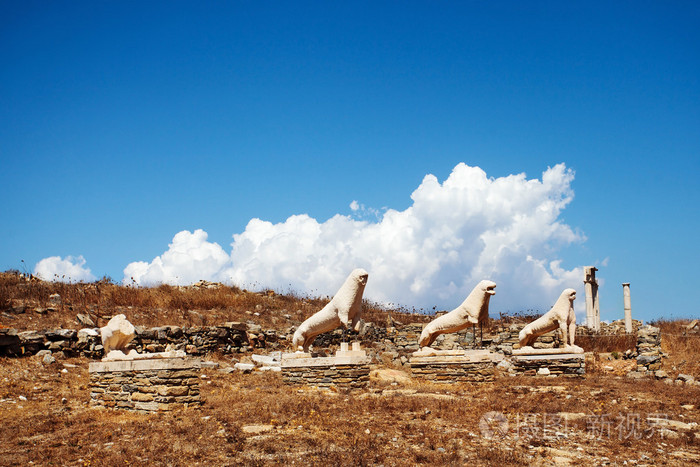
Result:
<point x="628" y="307"/>
<point x="592" y="307"/>
<point x="596" y="306"/>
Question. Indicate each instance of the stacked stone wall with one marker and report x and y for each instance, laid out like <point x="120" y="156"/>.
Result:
<point x="197" y="340"/>
<point x="472" y="372"/>
<point x="648" y="349"/>
<point x="616" y="328"/>
<point x="648" y="353"/>
<point x="347" y="376"/>
<point x="145" y="385"/>
<point x="393" y="344"/>
<point x="507" y="338"/>
<point x="550" y="365"/>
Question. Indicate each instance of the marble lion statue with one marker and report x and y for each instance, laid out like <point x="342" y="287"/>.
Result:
<point x="344" y="309"/>
<point x="473" y="310"/>
<point x="561" y="316"/>
<point x="117" y="334"/>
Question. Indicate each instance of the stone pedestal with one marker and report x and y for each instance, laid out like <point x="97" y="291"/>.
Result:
<point x="145" y="385"/>
<point x="569" y="362"/>
<point x="452" y="366"/>
<point x="349" y="368"/>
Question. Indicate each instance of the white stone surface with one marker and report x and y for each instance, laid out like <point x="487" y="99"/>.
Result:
<point x="344" y="309"/>
<point x="592" y="305"/>
<point x="527" y="350"/>
<point x="429" y="355"/>
<point x="561" y="317"/>
<point x="265" y="360"/>
<point x="355" y="352"/>
<point x="675" y="424"/>
<point x="88" y="332"/>
<point x="117" y="334"/>
<point x="298" y="354"/>
<point x="116" y="355"/>
<point x="245" y="367"/>
<point x="504" y="365"/>
<point x="550" y="357"/>
<point x="628" y="307"/>
<point x="144" y="364"/>
<point x="473" y="310"/>
<point x="324" y="361"/>
<point x="356" y="356"/>
<point x="428" y="351"/>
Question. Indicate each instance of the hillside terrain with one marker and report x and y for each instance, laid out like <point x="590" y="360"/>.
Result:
<point x="605" y="418"/>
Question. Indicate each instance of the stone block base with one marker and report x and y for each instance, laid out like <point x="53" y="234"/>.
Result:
<point x="145" y="385"/>
<point x="348" y="376"/>
<point x="349" y="368"/>
<point x="452" y="366"/>
<point x="570" y="365"/>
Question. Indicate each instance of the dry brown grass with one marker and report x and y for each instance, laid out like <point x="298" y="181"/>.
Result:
<point x="420" y="423"/>
<point x="607" y="343"/>
<point x="164" y="304"/>
<point x="191" y="306"/>
<point x="681" y="345"/>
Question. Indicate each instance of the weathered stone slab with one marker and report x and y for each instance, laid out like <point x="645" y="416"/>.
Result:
<point x="351" y="353"/>
<point x="473" y="372"/>
<point x="346" y="371"/>
<point x="429" y="351"/>
<point x="323" y="362"/>
<point x="115" y="355"/>
<point x="451" y="366"/>
<point x="454" y="356"/>
<point x="289" y="356"/>
<point x="571" y="364"/>
<point x="143" y="365"/>
<point x="343" y="357"/>
<point x="553" y="357"/>
<point x="556" y="351"/>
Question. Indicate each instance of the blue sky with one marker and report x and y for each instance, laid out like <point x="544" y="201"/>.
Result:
<point x="125" y="123"/>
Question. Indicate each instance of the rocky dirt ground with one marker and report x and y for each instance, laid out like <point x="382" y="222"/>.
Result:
<point x="605" y="418"/>
<point x="253" y="419"/>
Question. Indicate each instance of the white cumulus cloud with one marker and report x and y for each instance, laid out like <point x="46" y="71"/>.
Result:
<point x="70" y="269"/>
<point x="455" y="233"/>
<point x="190" y="257"/>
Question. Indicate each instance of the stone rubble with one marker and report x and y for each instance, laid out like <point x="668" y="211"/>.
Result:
<point x="564" y="365"/>
<point x="347" y="376"/>
<point x="392" y="345"/>
<point x="648" y="353"/>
